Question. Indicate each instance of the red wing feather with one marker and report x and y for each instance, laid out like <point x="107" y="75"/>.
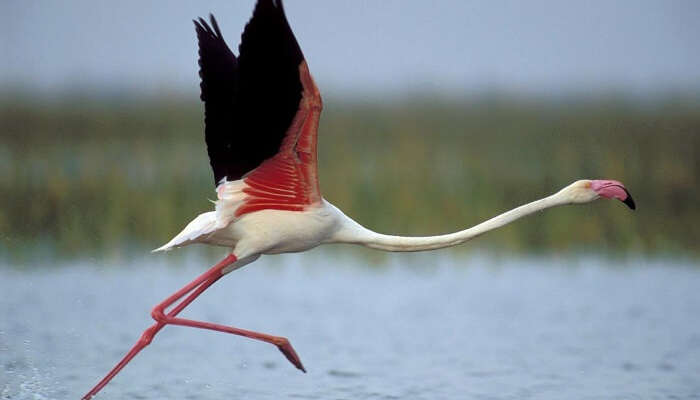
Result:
<point x="289" y="180"/>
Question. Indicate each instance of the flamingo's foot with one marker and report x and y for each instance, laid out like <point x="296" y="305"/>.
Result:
<point x="288" y="351"/>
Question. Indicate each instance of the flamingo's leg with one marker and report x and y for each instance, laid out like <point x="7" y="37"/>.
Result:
<point x="282" y="343"/>
<point x="196" y="287"/>
<point x="199" y="285"/>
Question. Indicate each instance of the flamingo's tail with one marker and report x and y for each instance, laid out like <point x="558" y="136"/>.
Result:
<point x="196" y="231"/>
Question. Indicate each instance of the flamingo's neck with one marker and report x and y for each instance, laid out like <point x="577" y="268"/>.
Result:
<point x="352" y="232"/>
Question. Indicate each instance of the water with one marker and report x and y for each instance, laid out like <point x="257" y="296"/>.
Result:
<point x="424" y="327"/>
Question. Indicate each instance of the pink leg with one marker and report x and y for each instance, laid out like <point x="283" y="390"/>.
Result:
<point x="281" y="342"/>
<point x="200" y="284"/>
<point x="197" y="286"/>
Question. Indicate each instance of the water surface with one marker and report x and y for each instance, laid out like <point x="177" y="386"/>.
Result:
<point x="423" y="327"/>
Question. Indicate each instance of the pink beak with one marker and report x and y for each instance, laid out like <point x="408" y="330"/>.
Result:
<point x="613" y="190"/>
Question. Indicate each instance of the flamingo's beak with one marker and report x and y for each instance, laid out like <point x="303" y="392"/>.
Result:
<point x="610" y="189"/>
<point x="629" y="201"/>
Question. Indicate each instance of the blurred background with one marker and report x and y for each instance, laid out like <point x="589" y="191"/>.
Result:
<point x="435" y="118"/>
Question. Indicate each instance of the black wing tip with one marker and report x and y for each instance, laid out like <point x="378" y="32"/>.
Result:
<point x="203" y="28"/>
<point x="198" y="27"/>
<point x="268" y="6"/>
<point x="271" y="14"/>
<point x="278" y="4"/>
<point x="215" y="25"/>
<point x="213" y="29"/>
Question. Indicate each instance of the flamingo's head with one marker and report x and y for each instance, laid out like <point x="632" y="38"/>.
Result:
<point x="587" y="190"/>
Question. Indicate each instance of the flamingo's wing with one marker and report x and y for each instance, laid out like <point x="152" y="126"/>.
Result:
<point x="261" y="111"/>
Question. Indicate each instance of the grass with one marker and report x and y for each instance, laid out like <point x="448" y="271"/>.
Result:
<point x="101" y="176"/>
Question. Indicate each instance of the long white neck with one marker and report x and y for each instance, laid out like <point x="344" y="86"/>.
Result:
<point x="352" y="232"/>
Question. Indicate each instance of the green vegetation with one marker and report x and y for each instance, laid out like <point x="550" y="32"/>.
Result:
<point x="99" y="176"/>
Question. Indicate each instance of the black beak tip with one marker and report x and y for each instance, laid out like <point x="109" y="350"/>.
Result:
<point x="629" y="201"/>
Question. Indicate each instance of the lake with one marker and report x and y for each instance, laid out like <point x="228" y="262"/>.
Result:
<point x="419" y="326"/>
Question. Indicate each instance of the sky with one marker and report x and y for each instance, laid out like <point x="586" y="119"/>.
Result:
<point x="366" y="48"/>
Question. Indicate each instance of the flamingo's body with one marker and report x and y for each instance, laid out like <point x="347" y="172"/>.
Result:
<point x="261" y="113"/>
<point x="260" y="232"/>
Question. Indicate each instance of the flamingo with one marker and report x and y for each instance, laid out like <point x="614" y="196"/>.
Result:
<point x="261" y="118"/>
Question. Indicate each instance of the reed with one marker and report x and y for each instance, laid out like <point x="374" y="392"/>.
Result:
<point x="101" y="176"/>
